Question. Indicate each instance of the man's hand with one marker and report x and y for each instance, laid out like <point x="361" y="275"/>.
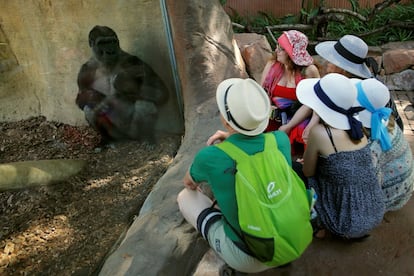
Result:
<point x="286" y="128"/>
<point x="189" y="182"/>
<point x="217" y="137"/>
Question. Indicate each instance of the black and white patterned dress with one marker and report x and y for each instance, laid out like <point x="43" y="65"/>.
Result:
<point x="350" y="200"/>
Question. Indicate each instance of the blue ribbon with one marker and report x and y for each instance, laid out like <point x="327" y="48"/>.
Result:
<point x="356" y="126"/>
<point x="379" y="130"/>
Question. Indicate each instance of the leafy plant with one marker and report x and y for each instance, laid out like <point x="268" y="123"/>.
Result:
<point x="381" y="22"/>
<point x="393" y="23"/>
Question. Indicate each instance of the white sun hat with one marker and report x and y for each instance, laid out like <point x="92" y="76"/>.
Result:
<point x="338" y="89"/>
<point x="349" y="53"/>
<point x="244" y="104"/>
<point x="377" y="95"/>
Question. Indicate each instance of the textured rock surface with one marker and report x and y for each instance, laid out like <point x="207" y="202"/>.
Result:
<point x="256" y="50"/>
<point x="27" y="174"/>
<point x="159" y="242"/>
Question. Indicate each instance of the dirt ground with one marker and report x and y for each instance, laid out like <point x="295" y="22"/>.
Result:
<point x="69" y="228"/>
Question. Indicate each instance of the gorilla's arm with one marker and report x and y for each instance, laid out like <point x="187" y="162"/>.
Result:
<point x="140" y="82"/>
<point x="87" y="96"/>
<point x="86" y="75"/>
<point x="153" y="88"/>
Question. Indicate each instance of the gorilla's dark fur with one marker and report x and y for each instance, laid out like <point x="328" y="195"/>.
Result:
<point x="118" y="92"/>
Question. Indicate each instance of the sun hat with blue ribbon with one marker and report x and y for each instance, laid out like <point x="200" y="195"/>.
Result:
<point x="374" y="96"/>
<point x="332" y="97"/>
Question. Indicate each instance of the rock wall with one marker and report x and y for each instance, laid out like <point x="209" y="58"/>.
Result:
<point x="160" y="242"/>
<point x="44" y="43"/>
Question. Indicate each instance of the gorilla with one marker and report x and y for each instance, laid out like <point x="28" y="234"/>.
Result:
<point x="119" y="93"/>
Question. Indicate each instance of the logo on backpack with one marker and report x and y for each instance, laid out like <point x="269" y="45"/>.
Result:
<point x="270" y="190"/>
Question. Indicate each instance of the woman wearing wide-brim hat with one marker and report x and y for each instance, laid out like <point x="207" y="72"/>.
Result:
<point x="349" y="56"/>
<point x="289" y="64"/>
<point x="392" y="156"/>
<point x="338" y="161"/>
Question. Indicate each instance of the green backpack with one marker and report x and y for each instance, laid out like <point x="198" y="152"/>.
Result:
<point x="273" y="204"/>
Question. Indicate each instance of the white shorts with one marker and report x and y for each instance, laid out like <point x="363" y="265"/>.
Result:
<point x="211" y="227"/>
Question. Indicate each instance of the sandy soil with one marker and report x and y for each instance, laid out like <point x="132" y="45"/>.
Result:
<point x="69" y="228"/>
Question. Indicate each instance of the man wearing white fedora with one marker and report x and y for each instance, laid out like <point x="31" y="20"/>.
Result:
<point x="244" y="111"/>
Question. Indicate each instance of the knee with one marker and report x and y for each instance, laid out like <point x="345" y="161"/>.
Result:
<point x="181" y="197"/>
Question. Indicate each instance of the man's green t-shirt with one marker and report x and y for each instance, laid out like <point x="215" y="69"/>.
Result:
<point x="213" y="166"/>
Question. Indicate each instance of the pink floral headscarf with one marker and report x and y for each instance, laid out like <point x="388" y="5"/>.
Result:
<point x="295" y="43"/>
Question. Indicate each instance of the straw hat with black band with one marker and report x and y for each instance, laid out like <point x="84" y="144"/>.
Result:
<point x="244" y="105"/>
<point x="349" y="53"/>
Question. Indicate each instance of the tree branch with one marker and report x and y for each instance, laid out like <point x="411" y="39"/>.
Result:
<point x="344" y="11"/>
<point x="290" y="27"/>
<point x="399" y="24"/>
<point x="380" y="6"/>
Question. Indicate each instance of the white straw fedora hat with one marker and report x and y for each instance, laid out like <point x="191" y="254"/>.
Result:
<point x="244" y="104"/>
<point x="349" y="53"/>
<point x="377" y="95"/>
<point x="337" y="88"/>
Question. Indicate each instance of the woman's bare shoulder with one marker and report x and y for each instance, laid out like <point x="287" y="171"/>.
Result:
<point x="312" y="72"/>
<point x="318" y="134"/>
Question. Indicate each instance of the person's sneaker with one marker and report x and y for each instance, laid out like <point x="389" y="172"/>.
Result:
<point x="226" y="270"/>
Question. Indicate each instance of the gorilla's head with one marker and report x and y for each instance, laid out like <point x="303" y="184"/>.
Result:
<point x="105" y="44"/>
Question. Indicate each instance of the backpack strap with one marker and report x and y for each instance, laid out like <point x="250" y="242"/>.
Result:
<point x="238" y="154"/>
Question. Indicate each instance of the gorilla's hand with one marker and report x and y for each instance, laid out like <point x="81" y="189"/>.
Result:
<point x="89" y="97"/>
<point x="89" y="115"/>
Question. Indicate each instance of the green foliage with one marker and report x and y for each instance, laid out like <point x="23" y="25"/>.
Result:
<point x="354" y="4"/>
<point x="335" y="30"/>
<point x="354" y="26"/>
<point x="255" y="22"/>
<point x="310" y="13"/>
